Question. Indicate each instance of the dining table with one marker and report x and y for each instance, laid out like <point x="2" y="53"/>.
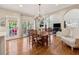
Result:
<point x="40" y="38"/>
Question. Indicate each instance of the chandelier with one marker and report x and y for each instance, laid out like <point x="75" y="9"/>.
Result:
<point x="39" y="17"/>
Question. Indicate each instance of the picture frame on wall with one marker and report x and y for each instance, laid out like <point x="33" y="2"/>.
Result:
<point x="64" y="24"/>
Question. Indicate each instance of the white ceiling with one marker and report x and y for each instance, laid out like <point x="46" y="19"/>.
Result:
<point x="32" y="9"/>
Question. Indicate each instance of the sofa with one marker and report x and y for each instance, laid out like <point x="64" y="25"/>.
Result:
<point x="69" y="37"/>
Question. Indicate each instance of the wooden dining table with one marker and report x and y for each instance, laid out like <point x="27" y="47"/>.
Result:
<point x="40" y="38"/>
<point x="44" y="36"/>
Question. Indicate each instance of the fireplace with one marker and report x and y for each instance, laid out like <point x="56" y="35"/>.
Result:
<point x="56" y="27"/>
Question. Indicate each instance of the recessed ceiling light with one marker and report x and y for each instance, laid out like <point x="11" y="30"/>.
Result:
<point x="20" y="5"/>
<point x="56" y="4"/>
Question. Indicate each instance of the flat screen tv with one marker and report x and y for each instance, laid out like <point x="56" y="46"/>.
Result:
<point x="57" y="25"/>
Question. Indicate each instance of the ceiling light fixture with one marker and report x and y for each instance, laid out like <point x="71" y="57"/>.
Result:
<point x="39" y="17"/>
<point x="20" y="5"/>
<point x="56" y="4"/>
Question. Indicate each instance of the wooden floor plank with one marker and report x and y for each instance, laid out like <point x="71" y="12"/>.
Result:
<point x="23" y="48"/>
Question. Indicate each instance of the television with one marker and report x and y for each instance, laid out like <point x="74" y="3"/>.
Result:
<point x="57" y="25"/>
<point x="41" y="25"/>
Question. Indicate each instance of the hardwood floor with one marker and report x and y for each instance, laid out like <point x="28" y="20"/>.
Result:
<point x="23" y="47"/>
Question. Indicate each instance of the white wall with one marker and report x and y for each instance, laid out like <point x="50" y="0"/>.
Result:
<point x="4" y="13"/>
<point x="59" y="17"/>
<point x="28" y="19"/>
<point x="72" y="16"/>
<point x="7" y="13"/>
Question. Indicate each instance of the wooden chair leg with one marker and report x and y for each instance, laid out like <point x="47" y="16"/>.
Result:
<point x="72" y="48"/>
